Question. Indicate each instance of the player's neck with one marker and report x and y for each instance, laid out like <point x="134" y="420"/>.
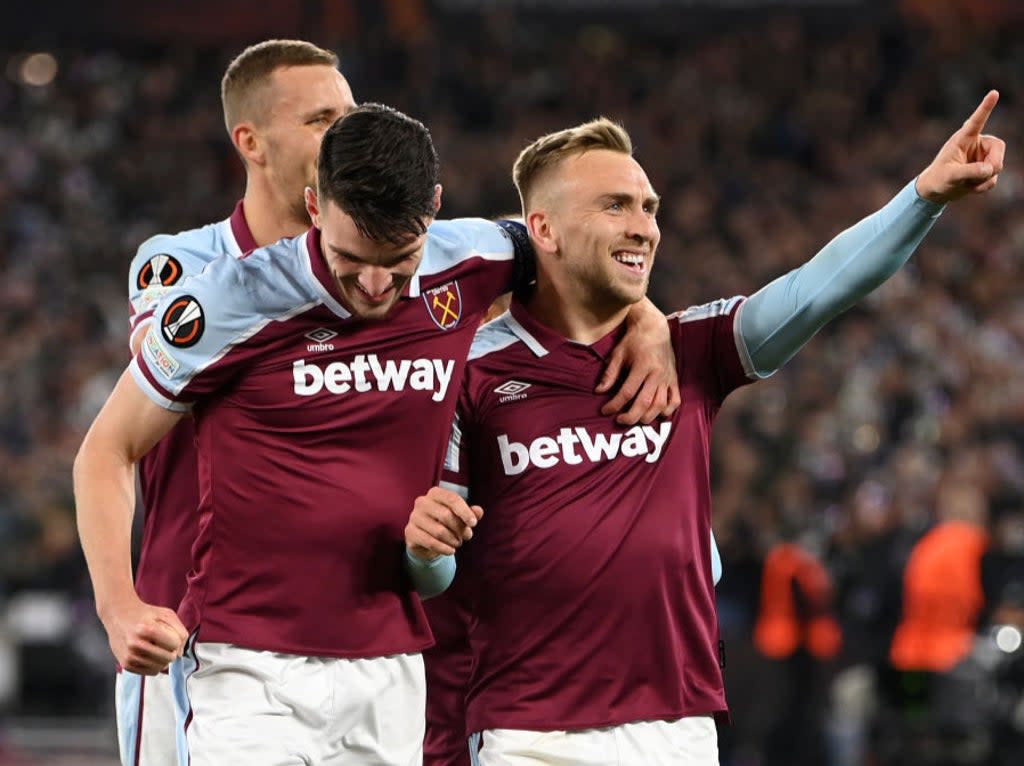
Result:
<point x="566" y="311"/>
<point x="269" y="218"/>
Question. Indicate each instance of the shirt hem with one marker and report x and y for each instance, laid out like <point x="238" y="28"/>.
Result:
<point x="413" y="647"/>
<point x="719" y="713"/>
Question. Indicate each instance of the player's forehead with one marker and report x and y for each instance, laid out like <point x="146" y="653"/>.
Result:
<point x="342" y="236"/>
<point x="309" y="88"/>
<point x="603" y="171"/>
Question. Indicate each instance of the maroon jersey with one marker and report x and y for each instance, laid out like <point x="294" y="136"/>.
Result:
<point x="316" y="431"/>
<point x="589" y="577"/>
<point x="168" y="477"/>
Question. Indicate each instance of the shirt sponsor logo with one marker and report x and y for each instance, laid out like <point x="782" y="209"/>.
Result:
<point x="320" y="338"/>
<point x="370" y="373"/>
<point x="573" y="446"/>
<point x="183" y="322"/>
<point x="444" y="304"/>
<point x="511" y="390"/>
<point x="162" y="269"/>
<point x="161" y="358"/>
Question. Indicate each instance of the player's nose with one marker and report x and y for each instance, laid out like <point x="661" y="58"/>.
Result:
<point x="375" y="280"/>
<point x="642" y="227"/>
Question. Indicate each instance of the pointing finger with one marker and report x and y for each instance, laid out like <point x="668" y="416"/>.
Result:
<point x="974" y="124"/>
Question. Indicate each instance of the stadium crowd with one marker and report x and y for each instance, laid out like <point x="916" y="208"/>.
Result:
<point x="761" y="140"/>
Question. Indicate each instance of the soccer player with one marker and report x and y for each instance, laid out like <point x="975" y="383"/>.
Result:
<point x="593" y="629"/>
<point x="322" y="373"/>
<point x="279" y="97"/>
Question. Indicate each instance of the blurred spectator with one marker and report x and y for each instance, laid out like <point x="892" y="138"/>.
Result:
<point x="797" y="630"/>
<point x="942" y="591"/>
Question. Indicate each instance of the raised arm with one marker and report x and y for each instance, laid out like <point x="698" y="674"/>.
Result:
<point x="780" y="318"/>
<point x="143" y="638"/>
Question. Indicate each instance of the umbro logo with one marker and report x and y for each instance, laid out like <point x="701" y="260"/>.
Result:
<point x="320" y="338"/>
<point x="511" y="390"/>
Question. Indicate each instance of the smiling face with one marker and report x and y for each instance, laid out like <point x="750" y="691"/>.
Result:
<point x="302" y="102"/>
<point x="370" y="274"/>
<point x="595" y="214"/>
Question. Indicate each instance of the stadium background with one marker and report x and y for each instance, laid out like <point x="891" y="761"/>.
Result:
<point x="766" y="127"/>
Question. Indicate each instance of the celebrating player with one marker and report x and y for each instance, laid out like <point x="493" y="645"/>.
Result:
<point x="306" y="366"/>
<point x="279" y="97"/>
<point x="593" y="630"/>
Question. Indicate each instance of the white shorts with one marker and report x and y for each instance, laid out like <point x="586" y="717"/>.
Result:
<point x="267" y="709"/>
<point x="147" y="725"/>
<point x="691" y="741"/>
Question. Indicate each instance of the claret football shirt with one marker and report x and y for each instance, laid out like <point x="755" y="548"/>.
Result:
<point x="588" y="580"/>
<point x="316" y="431"/>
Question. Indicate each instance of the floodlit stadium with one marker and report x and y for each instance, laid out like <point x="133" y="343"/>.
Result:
<point x="844" y="582"/>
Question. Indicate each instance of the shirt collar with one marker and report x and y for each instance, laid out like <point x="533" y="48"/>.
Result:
<point x="240" y="229"/>
<point x="542" y="340"/>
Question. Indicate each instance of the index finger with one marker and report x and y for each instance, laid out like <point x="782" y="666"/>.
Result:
<point x="628" y="389"/>
<point x="445" y="496"/>
<point x="160" y="634"/>
<point x="974" y="124"/>
<point x="454" y="502"/>
<point x="170" y="619"/>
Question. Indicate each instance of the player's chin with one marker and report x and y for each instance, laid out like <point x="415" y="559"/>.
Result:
<point x="629" y="294"/>
<point x="375" y="312"/>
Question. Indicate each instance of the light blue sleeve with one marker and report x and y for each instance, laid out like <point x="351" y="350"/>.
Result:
<point x="431" y="578"/>
<point x="777" y="320"/>
<point x="716" y="561"/>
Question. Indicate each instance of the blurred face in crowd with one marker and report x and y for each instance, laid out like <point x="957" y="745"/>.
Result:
<point x="370" y="274"/>
<point x="595" y="214"/>
<point x="300" y="103"/>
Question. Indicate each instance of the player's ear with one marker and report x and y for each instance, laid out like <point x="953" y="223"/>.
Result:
<point x="437" y="198"/>
<point x="247" y="142"/>
<point x="538" y="224"/>
<point x="312" y="205"/>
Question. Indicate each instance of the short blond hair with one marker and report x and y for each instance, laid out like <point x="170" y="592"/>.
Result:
<point x="250" y="70"/>
<point x="549" y="151"/>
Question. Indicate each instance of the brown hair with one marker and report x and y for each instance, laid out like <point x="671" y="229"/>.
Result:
<point x="251" y="68"/>
<point x="380" y="167"/>
<point x="549" y="151"/>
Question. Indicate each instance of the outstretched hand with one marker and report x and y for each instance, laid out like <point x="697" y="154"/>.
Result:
<point x="968" y="163"/>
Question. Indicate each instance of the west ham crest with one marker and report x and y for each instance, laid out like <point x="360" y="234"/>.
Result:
<point x="444" y="304"/>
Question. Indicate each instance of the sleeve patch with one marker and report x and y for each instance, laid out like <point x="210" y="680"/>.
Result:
<point x="160" y="357"/>
<point x="183" y="322"/>
<point x="161" y="270"/>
